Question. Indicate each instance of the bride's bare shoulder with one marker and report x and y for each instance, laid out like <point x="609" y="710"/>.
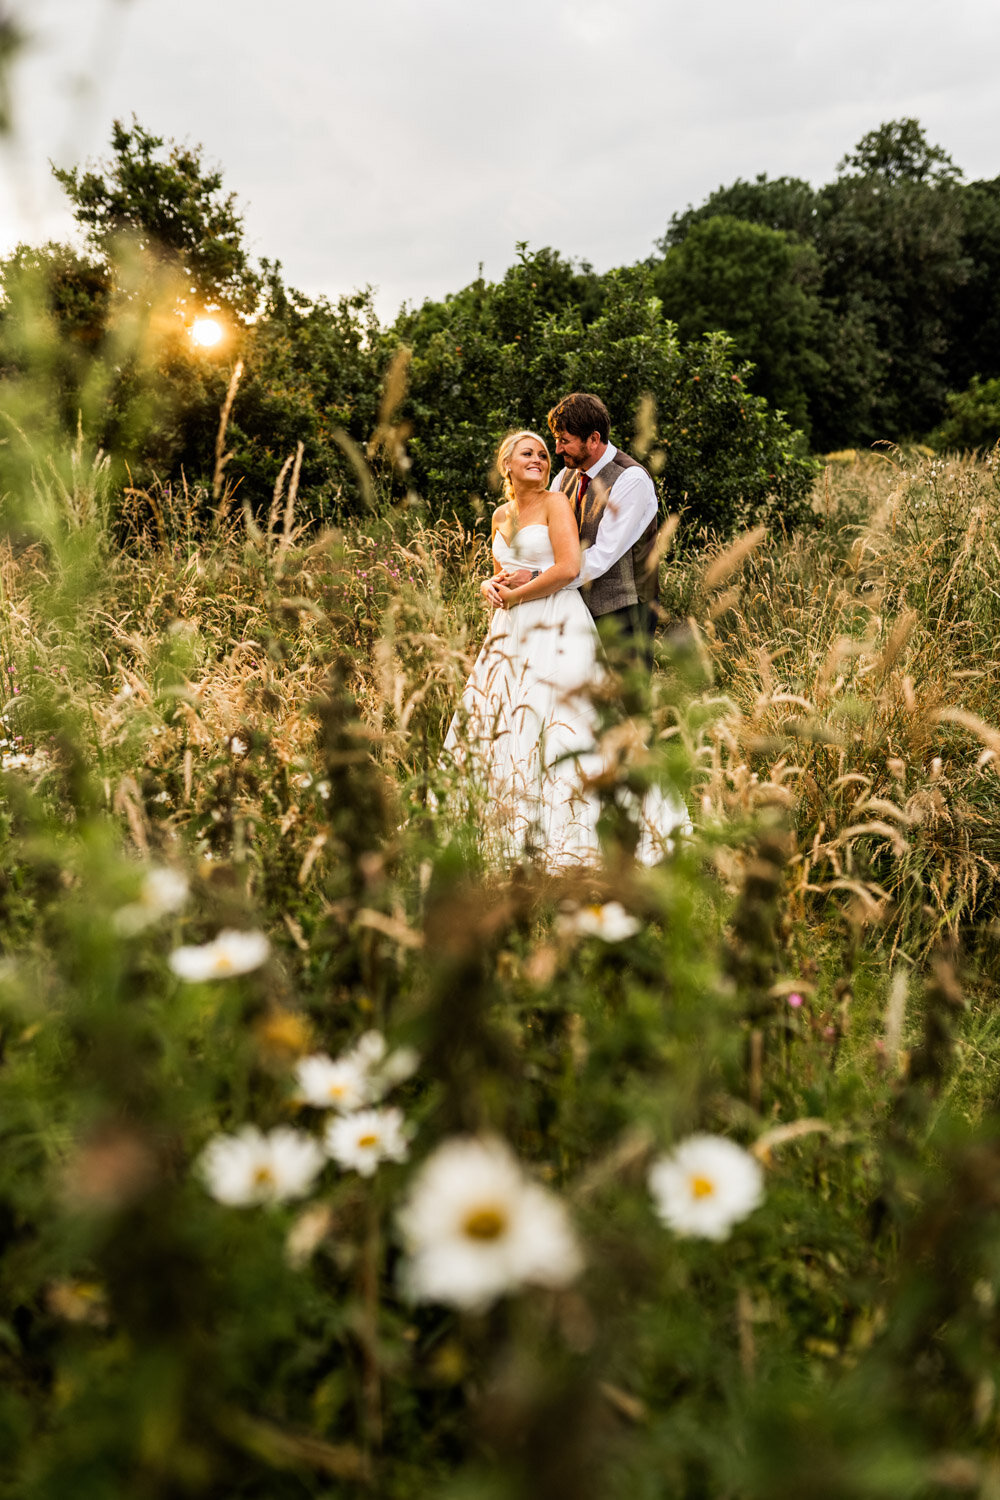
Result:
<point x="500" y="515"/>
<point x="557" y="499"/>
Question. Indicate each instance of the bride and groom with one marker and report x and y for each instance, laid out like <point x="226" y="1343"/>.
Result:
<point x="574" y="563"/>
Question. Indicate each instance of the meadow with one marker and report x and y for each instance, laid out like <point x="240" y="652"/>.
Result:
<point x="342" y="1158"/>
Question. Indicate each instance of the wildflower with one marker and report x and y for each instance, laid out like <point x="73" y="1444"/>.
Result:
<point x="795" y="1001"/>
<point x="358" y="1142"/>
<point x="610" y="922"/>
<point x="163" y="891"/>
<point x="228" y="954"/>
<point x="251" y="1167"/>
<point x="705" y="1186"/>
<point x="475" y="1226"/>
<point x="237" y="746"/>
<point x="323" y="787"/>
<point x="327" y="1084"/>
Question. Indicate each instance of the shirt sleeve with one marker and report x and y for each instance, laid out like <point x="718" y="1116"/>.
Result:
<point x="631" y="506"/>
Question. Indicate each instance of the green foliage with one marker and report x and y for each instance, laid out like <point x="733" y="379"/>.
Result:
<point x="973" y="419"/>
<point x="496" y="359"/>
<point x="163" y="197"/>
<point x="761" y="286"/>
<point x="907" y="290"/>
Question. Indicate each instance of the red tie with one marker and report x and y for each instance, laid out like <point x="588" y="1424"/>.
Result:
<point x="584" y="481"/>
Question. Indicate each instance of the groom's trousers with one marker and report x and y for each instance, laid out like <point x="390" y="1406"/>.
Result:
<point x="627" y="636"/>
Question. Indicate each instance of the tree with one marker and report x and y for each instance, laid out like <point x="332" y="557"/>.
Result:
<point x="761" y="286"/>
<point x="891" y="241"/>
<point x="784" y="203"/>
<point x="500" y="360"/>
<point x="161" y="195"/>
<point x="899" y="152"/>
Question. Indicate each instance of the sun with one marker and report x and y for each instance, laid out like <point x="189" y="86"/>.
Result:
<point x="207" y="333"/>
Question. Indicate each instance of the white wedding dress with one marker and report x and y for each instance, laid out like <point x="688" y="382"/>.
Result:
<point x="526" y="727"/>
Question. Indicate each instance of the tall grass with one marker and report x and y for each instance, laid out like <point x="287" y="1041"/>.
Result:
<point x="810" y="976"/>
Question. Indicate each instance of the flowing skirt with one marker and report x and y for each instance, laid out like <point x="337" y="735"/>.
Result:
<point x="526" y="730"/>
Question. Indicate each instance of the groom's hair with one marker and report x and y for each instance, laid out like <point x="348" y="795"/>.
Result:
<point x="580" y="414"/>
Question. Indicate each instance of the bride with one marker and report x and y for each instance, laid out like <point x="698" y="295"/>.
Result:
<point x="526" y="726"/>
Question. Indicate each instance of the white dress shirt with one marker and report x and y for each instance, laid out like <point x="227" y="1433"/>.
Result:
<point x="631" y="506"/>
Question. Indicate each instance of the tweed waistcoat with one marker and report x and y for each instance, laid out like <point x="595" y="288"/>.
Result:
<point x="628" y="581"/>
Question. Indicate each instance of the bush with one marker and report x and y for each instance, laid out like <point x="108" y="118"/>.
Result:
<point x="492" y="359"/>
<point x="973" y="419"/>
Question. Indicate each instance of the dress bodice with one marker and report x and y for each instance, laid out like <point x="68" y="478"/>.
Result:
<point x="531" y="548"/>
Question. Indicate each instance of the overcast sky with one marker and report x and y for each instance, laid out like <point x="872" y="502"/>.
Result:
<point x="401" y="142"/>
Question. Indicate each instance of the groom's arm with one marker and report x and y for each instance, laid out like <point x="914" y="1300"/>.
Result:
<point x="631" y="506"/>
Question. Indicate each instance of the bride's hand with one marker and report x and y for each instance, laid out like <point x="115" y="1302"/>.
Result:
<point x="506" y="594"/>
<point x="488" y="589"/>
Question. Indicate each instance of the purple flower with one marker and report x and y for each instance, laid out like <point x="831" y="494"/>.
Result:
<point x="795" y="1001"/>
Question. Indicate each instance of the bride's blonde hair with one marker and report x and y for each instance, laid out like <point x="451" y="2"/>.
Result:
<point x="504" y="452"/>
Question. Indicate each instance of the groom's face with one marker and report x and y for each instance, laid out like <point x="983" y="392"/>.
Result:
<point x="578" y="453"/>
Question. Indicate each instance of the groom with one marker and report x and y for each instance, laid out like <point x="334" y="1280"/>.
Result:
<point x="615" y="505"/>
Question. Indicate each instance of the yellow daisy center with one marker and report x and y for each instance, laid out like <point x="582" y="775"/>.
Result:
<point x="485" y="1224"/>
<point x="223" y="963"/>
<point x="336" y="1091"/>
<point x="368" y="1140"/>
<point x="263" y="1176"/>
<point x="701" y="1187"/>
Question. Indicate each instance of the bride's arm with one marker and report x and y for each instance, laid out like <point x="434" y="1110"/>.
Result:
<point x="565" y="541"/>
<point x="488" y="587"/>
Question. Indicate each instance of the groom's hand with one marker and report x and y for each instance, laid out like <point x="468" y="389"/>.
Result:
<point x="515" y="577"/>
<point x="490" y="592"/>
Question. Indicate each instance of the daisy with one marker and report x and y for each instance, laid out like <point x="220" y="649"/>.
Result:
<point x="475" y="1226"/>
<point x="228" y="954"/>
<point x="251" y="1167"/>
<point x="327" y="1084"/>
<point x="163" y="891"/>
<point x="610" y="922"/>
<point x="358" y="1142"/>
<point x="705" y="1186"/>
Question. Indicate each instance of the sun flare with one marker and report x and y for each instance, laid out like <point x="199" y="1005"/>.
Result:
<point x="207" y="333"/>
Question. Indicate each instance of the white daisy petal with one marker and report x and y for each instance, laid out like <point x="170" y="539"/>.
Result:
<point x="475" y="1226"/>
<point x="360" y="1141"/>
<point x="327" y="1084"/>
<point x="250" y="1167"/>
<point x="228" y="954"/>
<point x="610" y="922"/>
<point x="705" y="1186"/>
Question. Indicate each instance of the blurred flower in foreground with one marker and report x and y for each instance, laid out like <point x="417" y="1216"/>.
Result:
<point x="610" y="922"/>
<point x="363" y="1075"/>
<point x="228" y="954"/>
<point x="251" y="1167"/>
<point x="705" y="1186"/>
<point x="237" y="746"/>
<point x="475" y="1226"/>
<point x="163" y="891"/>
<point x="329" y="1084"/>
<point x="360" y="1141"/>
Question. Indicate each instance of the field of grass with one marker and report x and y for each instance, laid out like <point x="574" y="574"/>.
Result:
<point x="811" y="977"/>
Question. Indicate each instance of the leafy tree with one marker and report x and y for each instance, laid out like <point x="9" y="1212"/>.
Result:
<point x="899" y="152"/>
<point x="501" y="361"/>
<point x="761" y="286"/>
<point x="974" y="322"/>
<point x="784" y="203"/>
<point x="162" y="195"/>
<point x="892" y="249"/>
<point x="897" y="237"/>
<point x="973" y="419"/>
